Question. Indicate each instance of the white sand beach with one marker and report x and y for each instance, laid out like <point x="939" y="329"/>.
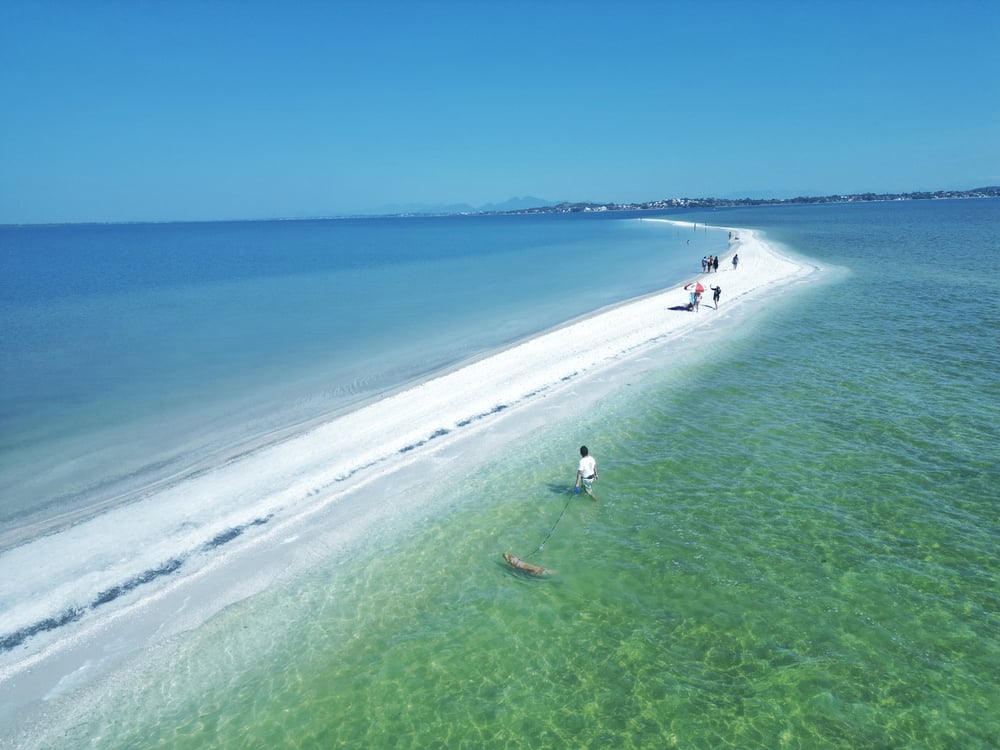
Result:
<point x="324" y="487"/>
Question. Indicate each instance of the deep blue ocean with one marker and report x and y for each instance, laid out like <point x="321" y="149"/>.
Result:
<point x="795" y="543"/>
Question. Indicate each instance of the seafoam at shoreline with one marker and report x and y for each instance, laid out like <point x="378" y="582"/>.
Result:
<point x="194" y="529"/>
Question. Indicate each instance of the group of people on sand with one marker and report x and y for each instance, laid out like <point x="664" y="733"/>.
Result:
<point x="695" y="298"/>
<point x="710" y="263"/>
<point x="695" y="290"/>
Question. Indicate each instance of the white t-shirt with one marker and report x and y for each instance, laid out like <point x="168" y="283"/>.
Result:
<point x="587" y="466"/>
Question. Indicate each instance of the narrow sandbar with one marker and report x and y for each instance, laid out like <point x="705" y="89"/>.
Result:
<point x="330" y="479"/>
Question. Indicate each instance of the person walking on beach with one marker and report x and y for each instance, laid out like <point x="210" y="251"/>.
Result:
<point x="715" y="264"/>
<point x="736" y="260"/>
<point x="717" y="295"/>
<point x="586" y="472"/>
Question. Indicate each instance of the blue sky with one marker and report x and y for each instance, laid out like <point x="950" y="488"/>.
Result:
<point x="144" y="110"/>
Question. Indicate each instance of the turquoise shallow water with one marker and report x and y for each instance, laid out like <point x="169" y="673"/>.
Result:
<point x="795" y="545"/>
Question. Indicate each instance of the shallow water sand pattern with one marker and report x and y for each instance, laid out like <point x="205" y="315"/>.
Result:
<point x="681" y="615"/>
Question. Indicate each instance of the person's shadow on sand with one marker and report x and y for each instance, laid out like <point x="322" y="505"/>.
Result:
<point x="680" y="308"/>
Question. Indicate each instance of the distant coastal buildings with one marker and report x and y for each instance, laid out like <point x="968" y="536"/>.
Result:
<point x="984" y="192"/>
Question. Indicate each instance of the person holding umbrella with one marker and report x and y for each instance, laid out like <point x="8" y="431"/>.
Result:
<point x="696" y="288"/>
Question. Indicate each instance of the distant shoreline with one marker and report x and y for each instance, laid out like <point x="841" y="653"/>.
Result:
<point x="566" y="208"/>
<point x="667" y="204"/>
<point x="672" y="203"/>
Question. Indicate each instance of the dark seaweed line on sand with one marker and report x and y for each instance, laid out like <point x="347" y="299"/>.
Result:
<point x="72" y="614"/>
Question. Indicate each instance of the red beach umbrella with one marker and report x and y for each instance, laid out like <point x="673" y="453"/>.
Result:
<point x="697" y="287"/>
